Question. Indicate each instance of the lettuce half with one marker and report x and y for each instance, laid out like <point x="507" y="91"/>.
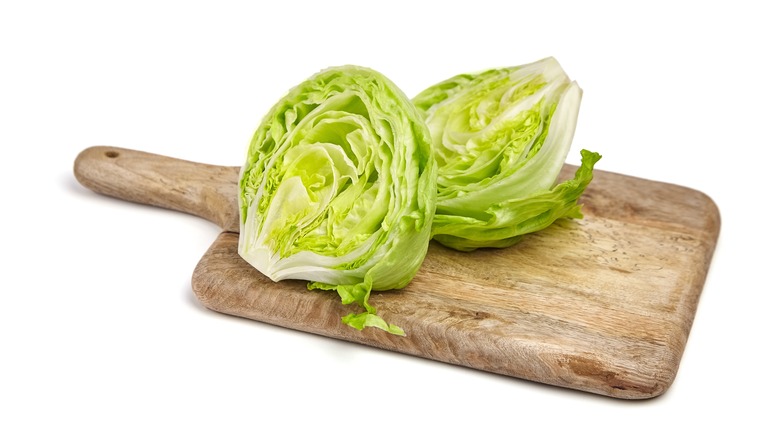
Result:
<point x="339" y="188"/>
<point x="500" y="138"/>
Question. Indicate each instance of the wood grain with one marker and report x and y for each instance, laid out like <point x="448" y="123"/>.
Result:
<point x="603" y="304"/>
<point x="203" y="190"/>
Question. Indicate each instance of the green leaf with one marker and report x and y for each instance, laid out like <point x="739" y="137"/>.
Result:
<point x="366" y="319"/>
<point x="504" y="223"/>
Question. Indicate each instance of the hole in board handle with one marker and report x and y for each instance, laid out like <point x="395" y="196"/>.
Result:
<point x="112" y="154"/>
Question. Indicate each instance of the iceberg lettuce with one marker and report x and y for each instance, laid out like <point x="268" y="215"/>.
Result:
<point x="339" y="188"/>
<point x="500" y="138"/>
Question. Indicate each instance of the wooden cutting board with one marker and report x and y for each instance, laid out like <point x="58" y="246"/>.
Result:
<point x="603" y="304"/>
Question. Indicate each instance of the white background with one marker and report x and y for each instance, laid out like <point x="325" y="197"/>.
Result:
<point x="100" y="334"/>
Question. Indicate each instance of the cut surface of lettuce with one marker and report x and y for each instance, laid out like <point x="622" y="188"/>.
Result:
<point x="500" y="139"/>
<point x="339" y="188"/>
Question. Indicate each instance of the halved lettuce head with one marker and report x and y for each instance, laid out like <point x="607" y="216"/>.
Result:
<point x="339" y="188"/>
<point x="500" y="139"/>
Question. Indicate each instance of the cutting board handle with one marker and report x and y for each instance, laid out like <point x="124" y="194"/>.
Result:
<point x="203" y="190"/>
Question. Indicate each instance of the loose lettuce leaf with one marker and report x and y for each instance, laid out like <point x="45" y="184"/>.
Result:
<point x="500" y="138"/>
<point x="339" y="188"/>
